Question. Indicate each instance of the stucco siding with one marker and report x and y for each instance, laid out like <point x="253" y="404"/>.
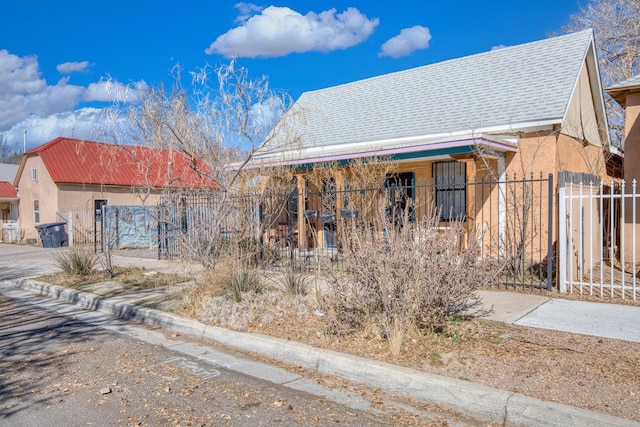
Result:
<point x="42" y="189"/>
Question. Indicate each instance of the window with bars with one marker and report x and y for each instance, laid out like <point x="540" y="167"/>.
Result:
<point x="451" y="193"/>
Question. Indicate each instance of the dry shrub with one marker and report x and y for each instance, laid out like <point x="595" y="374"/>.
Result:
<point x="403" y="274"/>
<point x="228" y="279"/>
<point x="78" y="260"/>
<point x="295" y="282"/>
<point x="211" y="285"/>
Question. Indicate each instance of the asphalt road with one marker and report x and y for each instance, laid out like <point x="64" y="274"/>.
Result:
<point x="57" y="370"/>
<point x="18" y="261"/>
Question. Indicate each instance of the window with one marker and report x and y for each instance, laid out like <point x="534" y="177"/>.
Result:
<point x="36" y="211"/>
<point x="451" y="192"/>
<point x="400" y="189"/>
<point x="34" y="174"/>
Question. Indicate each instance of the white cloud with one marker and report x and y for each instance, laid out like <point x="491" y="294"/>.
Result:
<point x="47" y="111"/>
<point x="246" y="11"/>
<point x="279" y="31"/>
<point x="263" y="116"/>
<point x="72" y="67"/>
<point x="114" y="91"/>
<point x="84" y="123"/>
<point x="23" y="92"/>
<point x="498" y="47"/>
<point x="408" y="41"/>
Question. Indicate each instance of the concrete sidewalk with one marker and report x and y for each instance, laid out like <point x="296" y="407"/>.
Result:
<point x="616" y="321"/>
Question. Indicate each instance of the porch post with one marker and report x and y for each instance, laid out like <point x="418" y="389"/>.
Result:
<point x="502" y="208"/>
<point x="562" y="239"/>
<point x="302" y="223"/>
<point x="340" y="188"/>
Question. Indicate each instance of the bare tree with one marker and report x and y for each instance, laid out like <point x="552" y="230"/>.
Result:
<point x="617" y="32"/>
<point x="218" y="120"/>
<point x="8" y="154"/>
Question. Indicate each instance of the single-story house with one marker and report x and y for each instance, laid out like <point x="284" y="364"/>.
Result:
<point x="71" y="175"/>
<point x="535" y="108"/>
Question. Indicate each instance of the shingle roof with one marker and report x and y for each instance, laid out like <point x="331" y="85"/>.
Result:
<point x="502" y="88"/>
<point x="86" y="162"/>
<point x="8" y="171"/>
<point x="618" y="90"/>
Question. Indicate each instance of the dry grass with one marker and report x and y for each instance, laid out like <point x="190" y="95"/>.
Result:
<point x="136" y="278"/>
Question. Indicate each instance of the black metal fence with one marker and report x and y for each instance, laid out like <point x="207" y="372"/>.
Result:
<point x="511" y="221"/>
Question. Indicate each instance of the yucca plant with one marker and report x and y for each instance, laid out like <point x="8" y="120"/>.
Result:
<point x="295" y="282"/>
<point x="245" y="280"/>
<point x="78" y="261"/>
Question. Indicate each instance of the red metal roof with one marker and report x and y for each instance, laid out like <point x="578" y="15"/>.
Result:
<point x="86" y="162"/>
<point x="7" y="191"/>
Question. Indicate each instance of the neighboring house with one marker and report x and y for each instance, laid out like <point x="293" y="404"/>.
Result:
<point x="8" y="202"/>
<point x="8" y="172"/>
<point x="73" y="175"/>
<point x="627" y="94"/>
<point x="535" y="108"/>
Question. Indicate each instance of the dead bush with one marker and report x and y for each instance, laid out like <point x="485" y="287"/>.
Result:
<point x="403" y="272"/>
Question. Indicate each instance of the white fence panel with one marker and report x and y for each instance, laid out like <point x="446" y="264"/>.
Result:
<point x="597" y="240"/>
<point x="81" y="227"/>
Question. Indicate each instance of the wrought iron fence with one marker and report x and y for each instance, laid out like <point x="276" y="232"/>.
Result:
<point x="510" y="220"/>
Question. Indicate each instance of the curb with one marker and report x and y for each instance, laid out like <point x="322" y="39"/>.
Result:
<point x="491" y="404"/>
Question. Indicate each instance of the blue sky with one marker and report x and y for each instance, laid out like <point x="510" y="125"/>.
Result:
<point x="55" y="56"/>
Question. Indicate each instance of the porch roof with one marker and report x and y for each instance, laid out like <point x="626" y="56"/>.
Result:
<point x="434" y="148"/>
<point x="8" y="192"/>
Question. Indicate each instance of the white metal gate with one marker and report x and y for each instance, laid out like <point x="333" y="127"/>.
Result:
<point x="597" y="230"/>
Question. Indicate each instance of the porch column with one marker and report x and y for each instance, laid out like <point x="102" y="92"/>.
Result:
<point x="340" y="184"/>
<point x="302" y="223"/>
<point x="502" y="207"/>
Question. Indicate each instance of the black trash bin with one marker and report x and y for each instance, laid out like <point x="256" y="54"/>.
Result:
<point x="53" y="235"/>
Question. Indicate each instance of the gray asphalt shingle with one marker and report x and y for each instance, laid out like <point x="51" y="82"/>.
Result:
<point x="525" y="83"/>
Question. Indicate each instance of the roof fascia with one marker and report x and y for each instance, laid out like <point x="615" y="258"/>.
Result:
<point x="597" y="93"/>
<point x="405" y="153"/>
<point x="597" y="89"/>
<point x="23" y="162"/>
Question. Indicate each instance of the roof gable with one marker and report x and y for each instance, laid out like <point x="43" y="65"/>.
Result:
<point x="77" y="161"/>
<point x="507" y="90"/>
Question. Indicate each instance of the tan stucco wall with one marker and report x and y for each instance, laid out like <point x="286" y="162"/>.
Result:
<point x="75" y="197"/>
<point x="42" y="189"/>
<point x="65" y="197"/>
<point x="632" y="138"/>
<point x="631" y="169"/>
